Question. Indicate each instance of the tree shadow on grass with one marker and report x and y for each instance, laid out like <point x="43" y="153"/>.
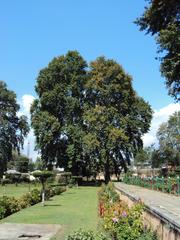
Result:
<point x="70" y="193"/>
<point x="52" y="205"/>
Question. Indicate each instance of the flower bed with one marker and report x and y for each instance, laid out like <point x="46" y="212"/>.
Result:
<point x="167" y="185"/>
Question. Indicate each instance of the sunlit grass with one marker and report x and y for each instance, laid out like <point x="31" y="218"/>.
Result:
<point x="74" y="209"/>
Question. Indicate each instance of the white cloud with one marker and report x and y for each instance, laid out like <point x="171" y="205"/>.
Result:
<point x="159" y="116"/>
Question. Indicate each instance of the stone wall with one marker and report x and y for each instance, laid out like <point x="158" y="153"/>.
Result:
<point x="165" y="229"/>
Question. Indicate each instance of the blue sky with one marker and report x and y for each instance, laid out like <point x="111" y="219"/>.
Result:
<point x="33" y="32"/>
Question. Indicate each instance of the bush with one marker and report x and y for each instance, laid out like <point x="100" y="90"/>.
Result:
<point x="129" y="226"/>
<point x="35" y="196"/>
<point x="51" y="179"/>
<point x="86" y="235"/>
<point x="58" y="190"/>
<point x="77" y="179"/>
<point x="2" y="212"/>
<point x="148" y="235"/>
<point x="9" y="205"/>
<point x="108" y="194"/>
<point x="31" y="198"/>
<point x="5" y="181"/>
<point x="81" y="235"/>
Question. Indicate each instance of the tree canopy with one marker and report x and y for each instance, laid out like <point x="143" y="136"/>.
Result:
<point x="57" y="114"/>
<point x="161" y="18"/>
<point x="115" y="117"/>
<point x="88" y="117"/>
<point x="169" y="140"/>
<point x="13" y="129"/>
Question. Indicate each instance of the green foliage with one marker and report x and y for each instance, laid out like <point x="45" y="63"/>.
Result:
<point x="13" y="129"/>
<point x="162" y="19"/>
<point x="65" y="178"/>
<point x="164" y="184"/>
<point x="32" y="198"/>
<point x="86" y="235"/>
<point x="142" y="156"/>
<point x="130" y="226"/>
<point x="43" y="175"/>
<point x="168" y="133"/>
<point x="120" y="221"/>
<point x="81" y="235"/>
<point x="5" y="181"/>
<point x="115" y="117"/>
<point x="57" y="113"/>
<point x="88" y="120"/>
<point x="148" y="235"/>
<point x="10" y="205"/>
<point x="21" y="162"/>
<point x="58" y="190"/>
<point x="39" y="164"/>
<point x="169" y="142"/>
<point x="77" y="179"/>
<point x="107" y="194"/>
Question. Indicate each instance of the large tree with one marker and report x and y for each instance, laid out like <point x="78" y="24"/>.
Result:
<point x="115" y="117"/>
<point x="88" y="119"/>
<point x="169" y="140"/>
<point x="13" y="129"/>
<point x="161" y="18"/>
<point x="57" y="113"/>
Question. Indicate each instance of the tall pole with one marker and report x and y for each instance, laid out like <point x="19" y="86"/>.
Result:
<point x="28" y="149"/>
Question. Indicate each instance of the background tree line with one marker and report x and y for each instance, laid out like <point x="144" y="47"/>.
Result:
<point x="168" y="150"/>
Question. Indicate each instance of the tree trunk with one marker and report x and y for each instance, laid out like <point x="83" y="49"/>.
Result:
<point x="43" y="193"/>
<point x="107" y="171"/>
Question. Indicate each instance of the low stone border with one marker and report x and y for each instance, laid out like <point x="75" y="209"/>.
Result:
<point x="166" y="227"/>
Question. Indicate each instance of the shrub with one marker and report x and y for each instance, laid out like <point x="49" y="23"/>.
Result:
<point x="81" y="235"/>
<point x="148" y="235"/>
<point x="108" y="194"/>
<point x="87" y="235"/>
<point x="35" y="196"/>
<point x="10" y="205"/>
<point x="2" y="212"/>
<point x="130" y="226"/>
<point x="5" y="181"/>
<point x="66" y="176"/>
<point x="51" y="179"/>
<point x="58" y="190"/>
<point x="77" y="179"/>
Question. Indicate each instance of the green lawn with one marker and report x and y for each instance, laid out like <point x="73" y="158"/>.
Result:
<point x="12" y="190"/>
<point x="74" y="209"/>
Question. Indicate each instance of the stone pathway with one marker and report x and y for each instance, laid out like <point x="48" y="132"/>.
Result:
<point x="166" y="205"/>
<point x="13" y="231"/>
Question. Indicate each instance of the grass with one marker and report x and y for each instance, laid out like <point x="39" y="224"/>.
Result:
<point x="12" y="190"/>
<point x="74" y="209"/>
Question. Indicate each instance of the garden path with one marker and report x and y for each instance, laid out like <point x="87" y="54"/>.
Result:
<point x="166" y="205"/>
<point x="14" y="231"/>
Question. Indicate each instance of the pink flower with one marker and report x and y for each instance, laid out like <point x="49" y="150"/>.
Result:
<point x="124" y="214"/>
<point x="115" y="220"/>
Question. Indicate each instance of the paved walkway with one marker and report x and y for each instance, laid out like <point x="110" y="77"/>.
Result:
<point x="13" y="231"/>
<point x="165" y="204"/>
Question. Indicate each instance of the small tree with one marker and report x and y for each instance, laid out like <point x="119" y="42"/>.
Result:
<point x="43" y="176"/>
